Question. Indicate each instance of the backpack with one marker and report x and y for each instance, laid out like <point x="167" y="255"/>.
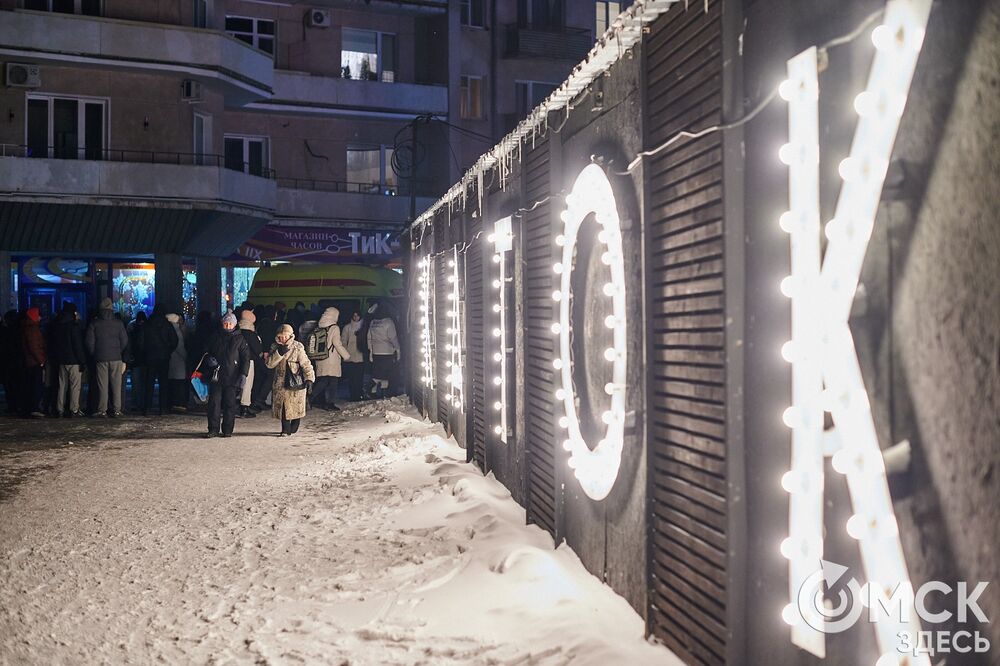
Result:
<point x="317" y="347"/>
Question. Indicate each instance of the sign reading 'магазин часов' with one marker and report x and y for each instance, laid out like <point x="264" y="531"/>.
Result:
<point x="316" y="245"/>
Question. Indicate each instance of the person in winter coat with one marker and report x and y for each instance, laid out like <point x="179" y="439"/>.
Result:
<point x="325" y="350"/>
<point x="288" y="356"/>
<point x="246" y="326"/>
<point x="137" y="360"/>
<point x="177" y="367"/>
<point x="106" y="341"/>
<point x="69" y="355"/>
<point x="11" y="359"/>
<point x="158" y="340"/>
<point x="354" y="364"/>
<point x="33" y="359"/>
<point x="383" y="349"/>
<point x="229" y="349"/>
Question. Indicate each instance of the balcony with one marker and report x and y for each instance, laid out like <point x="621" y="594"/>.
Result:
<point x="300" y="92"/>
<point x="361" y="204"/>
<point x="170" y="202"/>
<point x="558" y="43"/>
<point x="240" y="71"/>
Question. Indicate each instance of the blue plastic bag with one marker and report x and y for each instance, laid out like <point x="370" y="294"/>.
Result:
<point x="200" y="387"/>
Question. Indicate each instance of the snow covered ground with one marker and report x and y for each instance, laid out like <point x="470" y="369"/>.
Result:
<point x="366" y="539"/>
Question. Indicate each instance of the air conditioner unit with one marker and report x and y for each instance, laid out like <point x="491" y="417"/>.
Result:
<point x="23" y="75"/>
<point x="190" y="90"/>
<point x="319" y="18"/>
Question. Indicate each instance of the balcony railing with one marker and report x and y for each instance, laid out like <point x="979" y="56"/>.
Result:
<point x="537" y="41"/>
<point x="424" y="187"/>
<point x="136" y="156"/>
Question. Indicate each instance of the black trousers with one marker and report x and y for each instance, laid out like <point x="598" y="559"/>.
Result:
<point x="32" y="388"/>
<point x="222" y="404"/>
<point x="156" y="371"/>
<point x="324" y="391"/>
<point x="354" y="373"/>
<point x="262" y="379"/>
<point x="289" y="426"/>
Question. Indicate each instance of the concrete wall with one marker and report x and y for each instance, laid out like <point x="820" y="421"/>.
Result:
<point x="154" y="11"/>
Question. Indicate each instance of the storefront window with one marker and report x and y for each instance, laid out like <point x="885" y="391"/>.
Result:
<point x="242" y="281"/>
<point x="133" y="288"/>
<point x="189" y="292"/>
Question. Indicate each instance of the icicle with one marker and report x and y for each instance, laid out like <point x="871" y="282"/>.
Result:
<point x="479" y="185"/>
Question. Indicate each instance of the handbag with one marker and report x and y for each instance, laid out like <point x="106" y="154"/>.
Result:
<point x="294" y="380"/>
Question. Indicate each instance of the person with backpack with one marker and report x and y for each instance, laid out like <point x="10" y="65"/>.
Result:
<point x="325" y="350"/>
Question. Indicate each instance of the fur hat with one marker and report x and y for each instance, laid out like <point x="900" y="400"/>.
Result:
<point x="248" y="316"/>
<point x="286" y="329"/>
<point x="106" y="304"/>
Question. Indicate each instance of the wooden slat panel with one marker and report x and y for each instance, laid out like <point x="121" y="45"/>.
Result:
<point x="476" y="313"/>
<point x="539" y="345"/>
<point x="686" y="344"/>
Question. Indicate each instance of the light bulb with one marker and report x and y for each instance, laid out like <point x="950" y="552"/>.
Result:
<point x="609" y="289"/>
<point x="498" y="380"/>
<point x="609" y="388"/>
<point x="607" y="258"/>
<point x="496" y="332"/>
<point x="557" y="268"/>
<point x="787" y="286"/>
<point x="498" y="430"/>
<point x="610" y="354"/>
<point x="857" y="526"/>
<point x="790" y="417"/>
<point x="560" y="240"/>
<point x="610" y="321"/>
<point x="788" y="351"/>
<point x="447" y="364"/>
<point x="603" y="236"/>
<point x="496" y="284"/>
<point x="786" y="154"/>
<point x="556" y="328"/>
<point x="496" y="307"/>
<point x="787" y="222"/>
<point x="786" y="89"/>
<point x="560" y="394"/>
<point x="882" y="37"/>
<point x="790" y="614"/>
<point x="498" y="357"/>
<point x="557" y="296"/>
<point x="565" y="216"/>
<point x="557" y="363"/>
<point x="787" y="548"/>
<point x="458" y="404"/>
<point x="491" y="238"/>
<point x="451" y="263"/>
<point x="498" y="405"/>
<point x="563" y="422"/>
<point x="567" y="444"/>
<point x="608" y="417"/>
<point x="496" y="258"/>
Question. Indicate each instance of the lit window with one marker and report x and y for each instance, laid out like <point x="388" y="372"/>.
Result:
<point x="367" y="55"/>
<point x="258" y="33"/>
<point x="470" y="97"/>
<point x="473" y="13"/>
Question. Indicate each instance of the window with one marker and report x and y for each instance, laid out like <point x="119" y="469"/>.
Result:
<point x="367" y="55"/>
<point x="248" y="154"/>
<point x="85" y="7"/>
<point x="258" y="33"/>
<point x="369" y="169"/>
<point x="202" y="138"/>
<point x="66" y="128"/>
<point x="529" y="94"/>
<point x="473" y="13"/>
<point x="606" y="13"/>
<point x="540" y="13"/>
<point x="470" y="97"/>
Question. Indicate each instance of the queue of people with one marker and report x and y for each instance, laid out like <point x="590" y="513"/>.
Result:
<point x="253" y="357"/>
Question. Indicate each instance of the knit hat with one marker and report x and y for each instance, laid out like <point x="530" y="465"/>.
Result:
<point x="285" y="329"/>
<point x="34" y="314"/>
<point x="230" y="319"/>
<point x="248" y="316"/>
<point x="106" y="304"/>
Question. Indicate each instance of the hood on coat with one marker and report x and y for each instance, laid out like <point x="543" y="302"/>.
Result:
<point x="330" y="318"/>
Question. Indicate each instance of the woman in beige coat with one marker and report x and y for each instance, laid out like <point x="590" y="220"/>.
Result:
<point x="287" y="405"/>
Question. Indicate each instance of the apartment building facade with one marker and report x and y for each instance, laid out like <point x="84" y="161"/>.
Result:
<point x="511" y="54"/>
<point x="146" y="141"/>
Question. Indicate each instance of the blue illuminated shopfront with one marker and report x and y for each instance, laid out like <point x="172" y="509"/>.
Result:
<point x="46" y="282"/>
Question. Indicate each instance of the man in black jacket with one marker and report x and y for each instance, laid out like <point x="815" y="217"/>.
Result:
<point x="229" y="348"/>
<point x="69" y="356"/>
<point x="158" y="340"/>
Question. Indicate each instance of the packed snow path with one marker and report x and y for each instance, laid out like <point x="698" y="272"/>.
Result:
<point x="365" y="539"/>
